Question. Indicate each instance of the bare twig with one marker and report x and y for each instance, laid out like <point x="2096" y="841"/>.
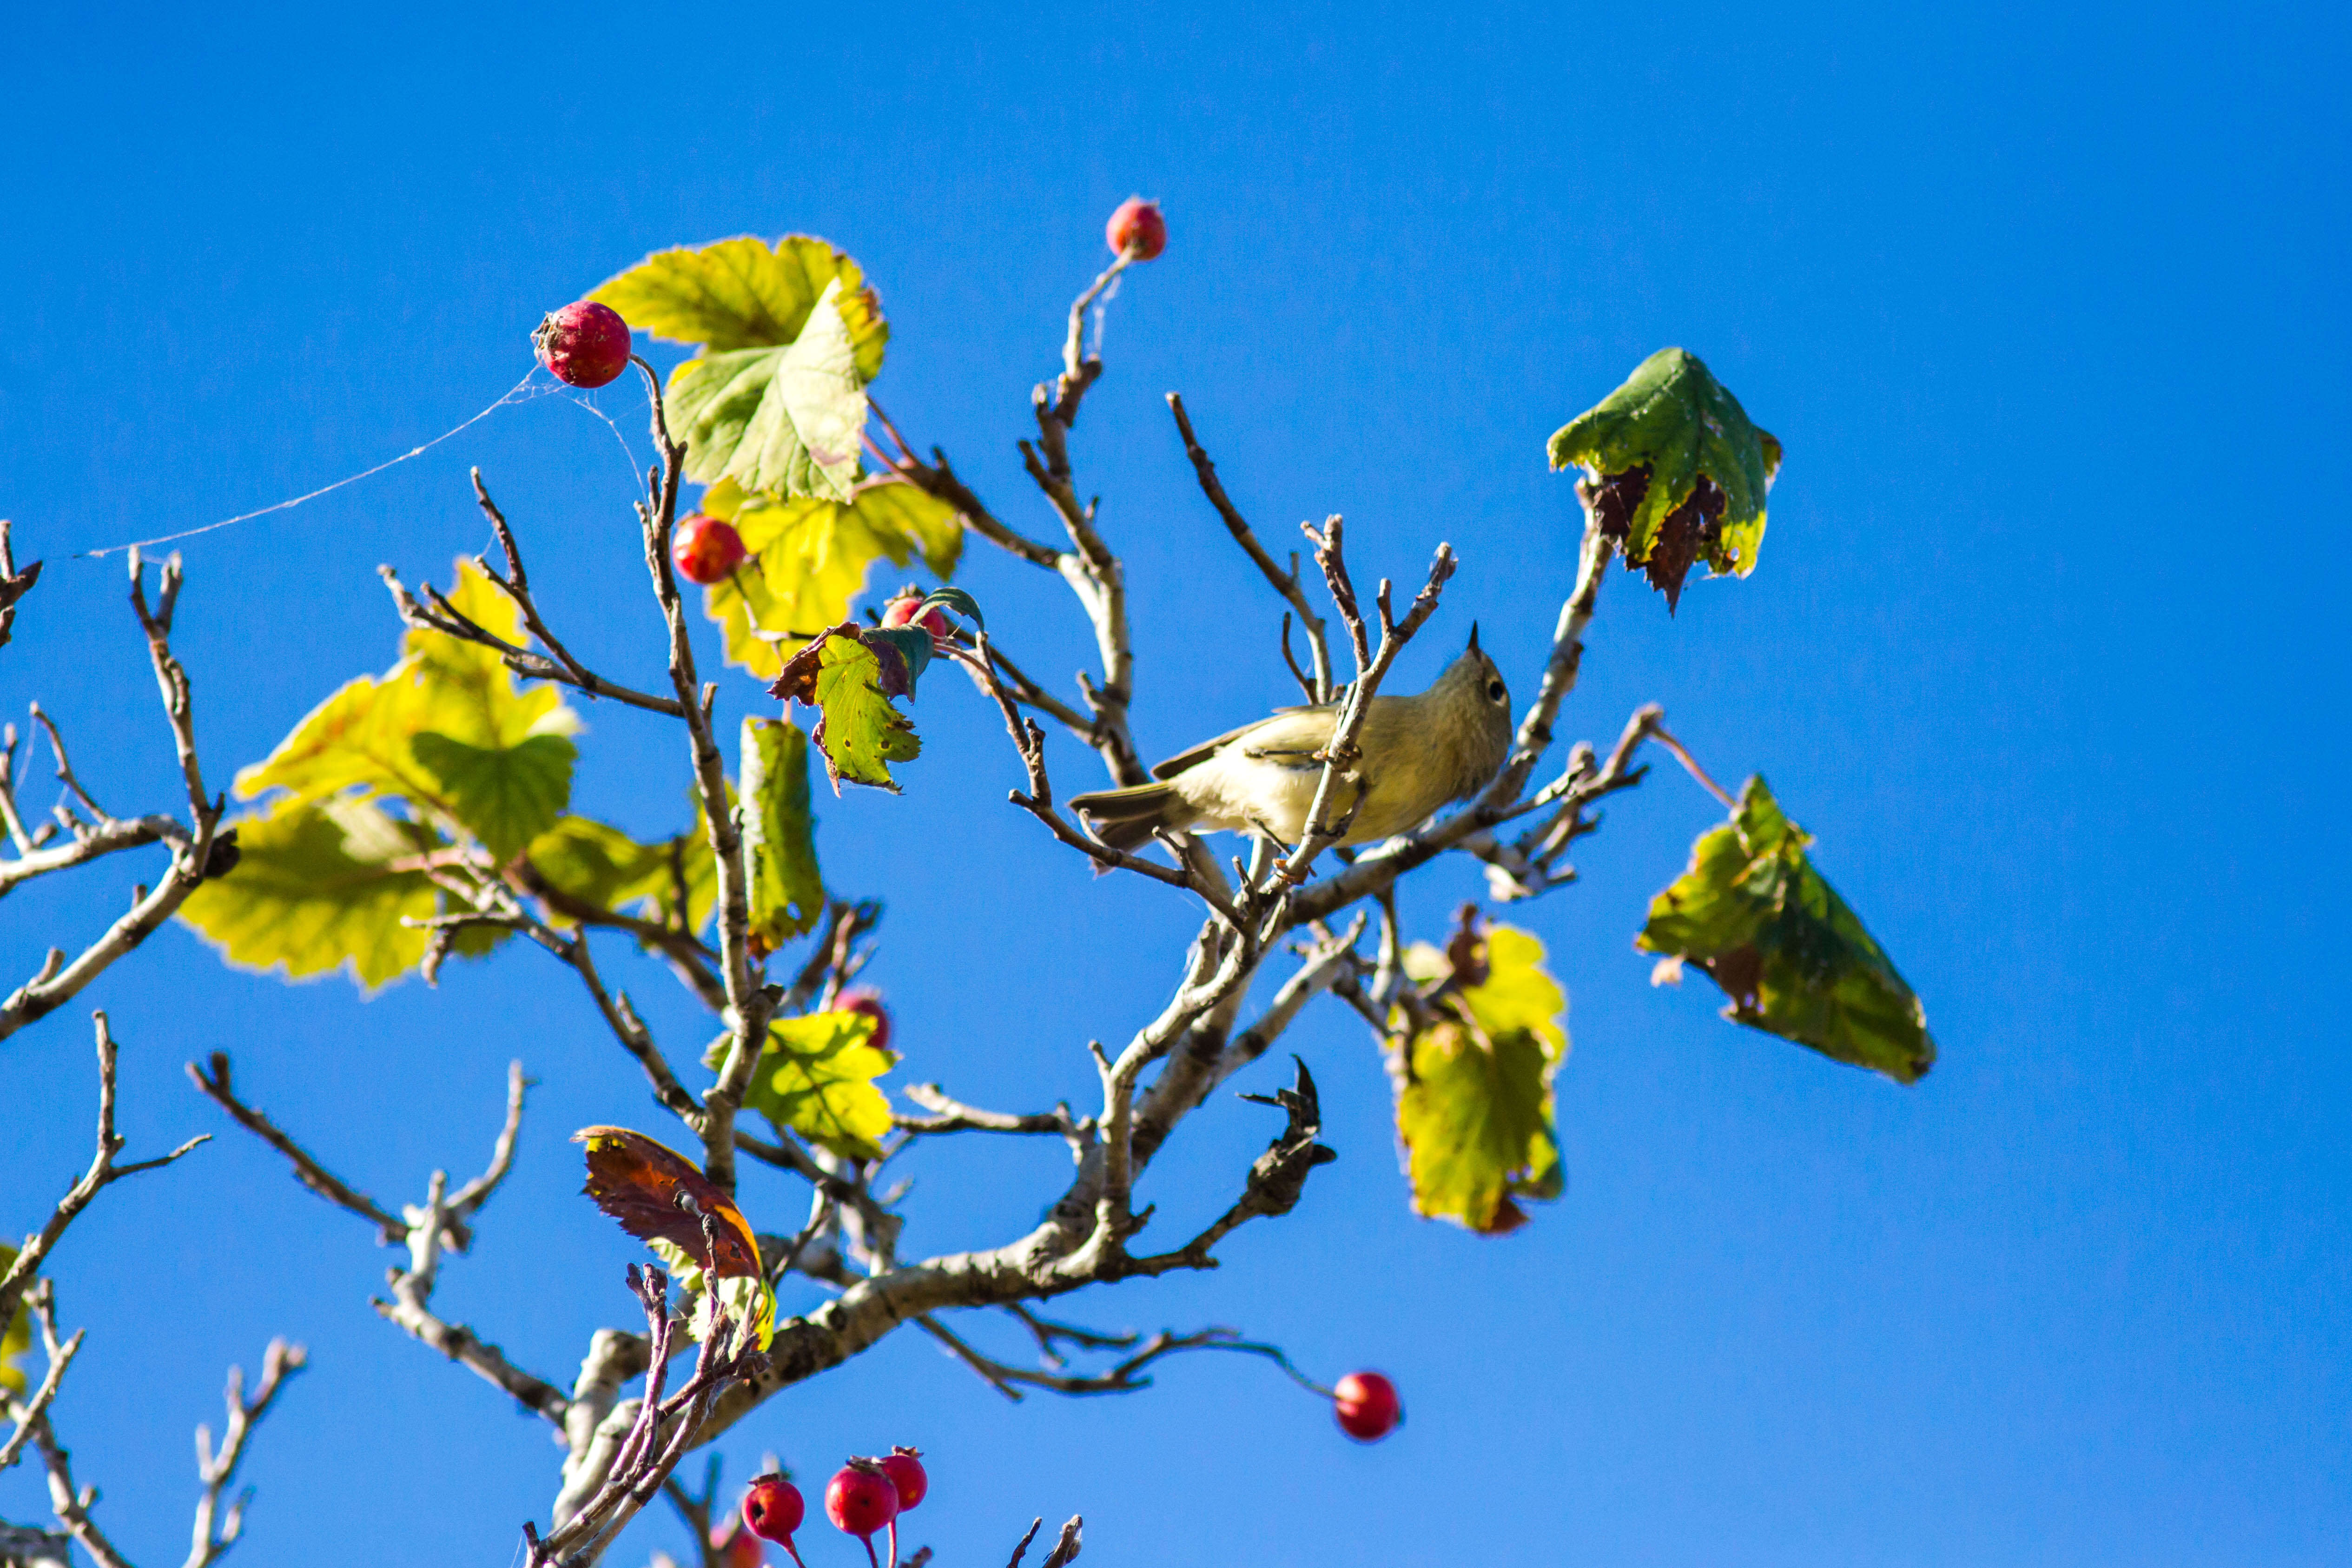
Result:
<point x="217" y="1527"/>
<point x="192" y="857"/>
<point x="1286" y="584"/>
<point x="954" y="1116"/>
<point x="216" y="1530"/>
<point x="1066" y="1550"/>
<point x="102" y="1172"/>
<point x="748" y="1003"/>
<point x="556" y="664"/>
<point x="213" y="1079"/>
<point x="1690" y="765"/>
<point x="28" y="1413"/>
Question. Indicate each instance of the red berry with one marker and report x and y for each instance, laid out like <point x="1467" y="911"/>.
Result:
<point x="707" y="550"/>
<point x="905" y="1468"/>
<point x="584" y="344"/>
<point x="773" y="1508"/>
<point x="860" y="1498"/>
<point x="900" y="612"/>
<point x="1367" y="1407"/>
<point x="1137" y="227"/>
<point x="869" y="1002"/>
<point x="736" y="1546"/>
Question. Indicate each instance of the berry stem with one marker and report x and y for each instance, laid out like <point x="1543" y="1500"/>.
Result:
<point x="870" y="1558"/>
<point x="894" y="1541"/>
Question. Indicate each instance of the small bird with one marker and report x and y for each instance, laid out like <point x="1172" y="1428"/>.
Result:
<point x="1419" y="752"/>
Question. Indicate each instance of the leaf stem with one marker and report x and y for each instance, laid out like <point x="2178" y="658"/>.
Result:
<point x="1690" y="765"/>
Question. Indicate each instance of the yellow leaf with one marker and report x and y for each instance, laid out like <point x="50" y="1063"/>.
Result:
<point x="816" y="1078"/>
<point x="744" y="293"/>
<point x="809" y="560"/>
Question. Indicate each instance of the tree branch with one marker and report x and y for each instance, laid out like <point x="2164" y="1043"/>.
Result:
<point x="1285" y="583"/>
<point x="102" y="1172"/>
<point x="214" y="1085"/>
<point x="193" y="856"/>
<point x="749" y="1007"/>
<point x="217" y="1530"/>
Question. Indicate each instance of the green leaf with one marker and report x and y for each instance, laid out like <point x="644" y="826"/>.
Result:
<point x="1680" y="471"/>
<point x="859" y="730"/>
<point x="779" y="844"/>
<point x="786" y="421"/>
<point x="18" y="1338"/>
<point x="1474" y="1095"/>
<point x="601" y="865"/>
<point x="358" y="739"/>
<point x="1475" y="1117"/>
<point x="1794" y="960"/>
<point x="743" y="1299"/>
<point x="956" y="601"/>
<point x="741" y="293"/>
<point x="318" y="888"/>
<point x="813" y="557"/>
<point x="1517" y="992"/>
<point x="362" y="739"/>
<point x="816" y="1078"/>
<point x="506" y="796"/>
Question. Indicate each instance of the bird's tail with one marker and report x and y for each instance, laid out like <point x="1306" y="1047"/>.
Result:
<point x="1127" y="818"/>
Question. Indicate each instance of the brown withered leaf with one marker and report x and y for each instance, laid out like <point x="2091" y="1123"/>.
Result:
<point x="1689" y="531"/>
<point x="658" y="1195"/>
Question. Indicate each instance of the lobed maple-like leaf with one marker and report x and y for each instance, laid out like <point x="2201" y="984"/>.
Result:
<point x="1676" y="471"/>
<point x="658" y="1195"/>
<point x="786" y="421"/>
<point x="744" y="293"/>
<point x="816" y="1078"/>
<point x="1473" y="1073"/>
<point x="810" y="558"/>
<point x="1792" y="957"/>
<point x="844" y="675"/>
<point x="318" y="888"/>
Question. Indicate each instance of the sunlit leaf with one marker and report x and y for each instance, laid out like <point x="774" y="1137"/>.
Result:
<point x="506" y="796"/>
<point x="1794" y="960"/>
<point x="1474" y="1115"/>
<point x="737" y="1296"/>
<point x="358" y="739"/>
<point x="811" y="559"/>
<point x="320" y="888"/>
<point x="1517" y="993"/>
<point x="362" y="739"/>
<point x="744" y="293"/>
<point x="658" y="1193"/>
<point x="18" y="1338"/>
<point x="1679" y="472"/>
<point x="779" y="845"/>
<point x="816" y="1078"/>
<point x="786" y="420"/>
<point x="1475" y="1083"/>
<point x="599" y="864"/>
<point x="844" y="678"/>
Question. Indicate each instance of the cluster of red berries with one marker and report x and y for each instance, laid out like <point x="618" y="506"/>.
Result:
<point x="864" y="1497"/>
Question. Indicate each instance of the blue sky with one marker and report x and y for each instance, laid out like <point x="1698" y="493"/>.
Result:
<point x="2047" y="646"/>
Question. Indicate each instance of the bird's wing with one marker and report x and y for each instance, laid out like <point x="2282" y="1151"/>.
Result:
<point x="1279" y="743"/>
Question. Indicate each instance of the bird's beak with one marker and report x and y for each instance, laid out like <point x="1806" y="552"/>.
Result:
<point x="1474" y="636"/>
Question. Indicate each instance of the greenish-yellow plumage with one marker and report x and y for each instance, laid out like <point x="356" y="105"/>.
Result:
<point x="1419" y="752"/>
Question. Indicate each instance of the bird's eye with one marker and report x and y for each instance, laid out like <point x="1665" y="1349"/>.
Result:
<point x="1495" y="692"/>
